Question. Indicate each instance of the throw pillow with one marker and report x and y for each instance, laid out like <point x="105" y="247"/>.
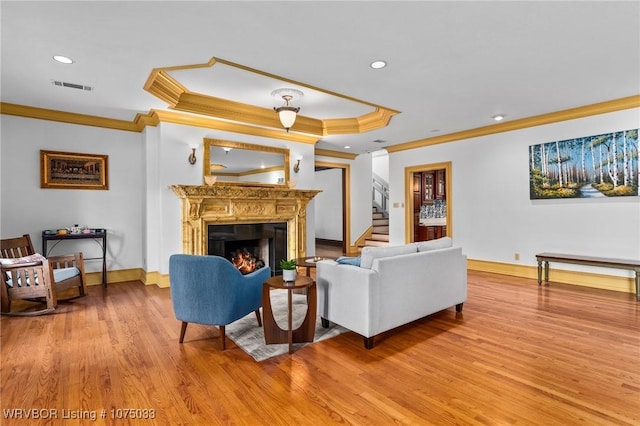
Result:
<point x="444" y="242"/>
<point x="369" y="254"/>
<point x="344" y="260"/>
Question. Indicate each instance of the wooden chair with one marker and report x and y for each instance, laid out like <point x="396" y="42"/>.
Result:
<point x="27" y="281"/>
<point x="65" y="271"/>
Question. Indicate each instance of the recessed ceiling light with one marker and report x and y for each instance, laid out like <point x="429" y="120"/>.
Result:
<point x="376" y="65"/>
<point x="62" y="59"/>
<point x="498" y="117"/>
<point x="347" y="147"/>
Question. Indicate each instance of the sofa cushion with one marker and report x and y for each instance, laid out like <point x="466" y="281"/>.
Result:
<point x="369" y="254"/>
<point x="440" y="243"/>
<point x="344" y="260"/>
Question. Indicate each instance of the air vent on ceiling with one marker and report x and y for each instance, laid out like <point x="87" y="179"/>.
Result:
<point x="72" y="85"/>
<point x="379" y="141"/>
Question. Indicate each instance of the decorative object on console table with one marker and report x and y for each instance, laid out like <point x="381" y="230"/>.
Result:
<point x="99" y="235"/>
<point x="67" y="170"/>
<point x="289" y="271"/>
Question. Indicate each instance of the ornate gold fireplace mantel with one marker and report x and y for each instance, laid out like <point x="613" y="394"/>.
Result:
<point x="232" y="203"/>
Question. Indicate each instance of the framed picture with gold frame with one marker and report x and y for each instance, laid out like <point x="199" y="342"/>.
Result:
<point x="68" y="170"/>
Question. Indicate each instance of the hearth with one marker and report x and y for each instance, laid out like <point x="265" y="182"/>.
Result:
<point x="249" y="246"/>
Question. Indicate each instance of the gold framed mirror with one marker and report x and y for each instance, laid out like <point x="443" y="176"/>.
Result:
<point x="245" y="163"/>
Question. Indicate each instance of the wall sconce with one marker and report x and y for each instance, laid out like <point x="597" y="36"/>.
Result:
<point x="192" y="156"/>
<point x="296" y="167"/>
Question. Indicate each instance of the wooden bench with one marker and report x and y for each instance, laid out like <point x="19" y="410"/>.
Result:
<point x="633" y="265"/>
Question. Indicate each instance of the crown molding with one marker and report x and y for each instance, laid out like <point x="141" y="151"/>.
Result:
<point x="523" y="123"/>
<point x="153" y="118"/>
<point x="336" y="154"/>
<point x="67" y="117"/>
<point x="227" y="126"/>
<point x="164" y="87"/>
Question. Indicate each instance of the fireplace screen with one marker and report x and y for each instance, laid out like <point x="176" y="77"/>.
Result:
<point x="249" y="246"/>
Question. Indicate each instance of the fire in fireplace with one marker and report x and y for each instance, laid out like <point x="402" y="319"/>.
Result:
<point x="249" y="246"/>
<point x="245" y="261"/>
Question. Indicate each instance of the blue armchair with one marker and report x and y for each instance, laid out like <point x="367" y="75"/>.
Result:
<point x="210" y="290"/>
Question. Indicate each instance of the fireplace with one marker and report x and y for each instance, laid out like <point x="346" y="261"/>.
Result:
<point x="249" y="246"/>
<point x="234" y="204"/>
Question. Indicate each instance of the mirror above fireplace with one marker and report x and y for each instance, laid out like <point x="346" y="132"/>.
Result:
<point x="245" y="163"/>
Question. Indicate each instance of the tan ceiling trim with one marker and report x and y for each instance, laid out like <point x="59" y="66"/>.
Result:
<point x="379" y="118"/>
<point x="243" y="113"/>
<point x="165" y="87"/>
<point x="227" y="126"/>
<point x="153" y="118"/>
<point x="143" y="120"/>
<point x="371" y="121"/>
<point x="67" y="117"/>
<point x="336" y="154"/>
<point x="523" y="123"/>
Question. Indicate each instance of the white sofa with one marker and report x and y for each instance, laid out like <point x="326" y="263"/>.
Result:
<point x="393" y="286"/>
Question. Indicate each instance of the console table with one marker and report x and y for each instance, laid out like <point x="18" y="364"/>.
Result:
<point x="633" y="265"/>
<point x="98" y="235"/>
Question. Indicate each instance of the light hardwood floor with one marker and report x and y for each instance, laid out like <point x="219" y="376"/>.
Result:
<point x="517" y="354"/>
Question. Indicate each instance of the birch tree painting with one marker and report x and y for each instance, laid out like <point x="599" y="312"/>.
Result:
<point x="592" y="166"/>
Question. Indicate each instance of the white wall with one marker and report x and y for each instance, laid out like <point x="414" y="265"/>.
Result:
<point x="328" y="205"/>
<point x="27" y="208"/>
<point x="493" y="217"/>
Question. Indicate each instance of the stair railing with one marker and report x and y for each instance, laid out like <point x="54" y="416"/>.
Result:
<point x="380" y="194"/>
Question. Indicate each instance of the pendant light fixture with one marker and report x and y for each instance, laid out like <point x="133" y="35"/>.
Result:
<point x="287" y="113"/>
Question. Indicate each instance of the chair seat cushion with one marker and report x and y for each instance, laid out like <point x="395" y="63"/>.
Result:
<point x="62" y="274"/>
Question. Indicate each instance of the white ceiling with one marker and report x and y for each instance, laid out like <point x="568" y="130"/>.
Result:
<point x="452" y="65"/>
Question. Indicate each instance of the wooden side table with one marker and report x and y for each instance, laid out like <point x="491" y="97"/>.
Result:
<point x="272" y="331"/>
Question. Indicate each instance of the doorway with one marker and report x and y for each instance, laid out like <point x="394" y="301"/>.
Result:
<point x="345" y="197"/>
<point x="428" y="202"/>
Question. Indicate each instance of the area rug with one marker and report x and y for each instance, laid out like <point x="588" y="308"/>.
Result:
<point x="247" y="335"/>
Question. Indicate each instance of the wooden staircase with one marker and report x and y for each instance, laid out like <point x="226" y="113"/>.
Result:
<point x="380" y="235"/>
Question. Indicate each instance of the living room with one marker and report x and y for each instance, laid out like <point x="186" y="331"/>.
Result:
<point x="493" y="218"/>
